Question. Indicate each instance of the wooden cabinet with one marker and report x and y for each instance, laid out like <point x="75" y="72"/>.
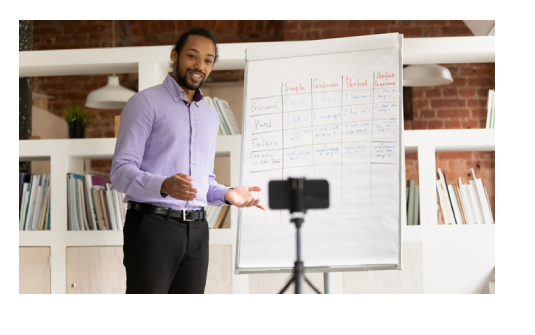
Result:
<point x="95" y="270"/>
<point x="34" y="270"/>
<point x="409" y="280"/>
<point x="100" y="270"/>
<point x="219" y="270"/>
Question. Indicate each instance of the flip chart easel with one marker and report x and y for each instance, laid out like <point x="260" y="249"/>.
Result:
<point x="327" y="109"/>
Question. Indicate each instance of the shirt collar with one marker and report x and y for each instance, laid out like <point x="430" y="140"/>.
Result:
<point x="178" y="93"/>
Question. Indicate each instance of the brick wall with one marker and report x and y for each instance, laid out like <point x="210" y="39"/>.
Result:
<point x="458" y="105"/>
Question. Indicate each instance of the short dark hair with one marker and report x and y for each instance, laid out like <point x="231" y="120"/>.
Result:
<point x="198" y="31"/>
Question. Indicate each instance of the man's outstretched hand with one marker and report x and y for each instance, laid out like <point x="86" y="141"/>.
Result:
<point x="241" y="196"/>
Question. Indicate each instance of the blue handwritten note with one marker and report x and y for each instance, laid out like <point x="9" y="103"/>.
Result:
<point x="357" y="113"/>
<point x="357" y="131"/>
<point x="296" y="102"/>
<point x="386" y="130"/>
<point x="326" y="99"/>
<point x="386" y="110"/>
<point x="329" y="153"/>
<point x="386" y="94"/>
<point x="356" y="152"/>
<point x="385" y="152"/>
<point x="357" y="97"/>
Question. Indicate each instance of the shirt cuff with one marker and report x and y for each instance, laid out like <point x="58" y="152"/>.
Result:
<point x="219" y="196"/>
<point x="154" y="187"/>
<point x="226" y="202"/>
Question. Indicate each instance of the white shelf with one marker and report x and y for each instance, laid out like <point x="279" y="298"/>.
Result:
<point x="451" y="139"/>
<point x="68" y="155"/>
<point x="436" y="50"/>
<point x="103" y="148"/>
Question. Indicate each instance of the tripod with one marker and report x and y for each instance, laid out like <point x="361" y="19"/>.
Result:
<point x="299" y="268"/>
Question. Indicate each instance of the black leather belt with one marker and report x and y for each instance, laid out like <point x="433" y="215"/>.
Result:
<point x="167" y="212"/>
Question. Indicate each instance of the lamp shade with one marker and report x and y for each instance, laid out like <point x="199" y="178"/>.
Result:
<point x="111" y="96"/>
<point x="426" y="75"/>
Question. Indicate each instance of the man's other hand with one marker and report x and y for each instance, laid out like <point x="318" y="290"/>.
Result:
<point x="179" y="186"/>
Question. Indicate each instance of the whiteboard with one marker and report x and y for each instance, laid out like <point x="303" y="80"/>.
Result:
<point x="327" y="109"/>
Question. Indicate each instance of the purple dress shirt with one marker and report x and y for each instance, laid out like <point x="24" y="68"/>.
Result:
<point x="161" y="135"/>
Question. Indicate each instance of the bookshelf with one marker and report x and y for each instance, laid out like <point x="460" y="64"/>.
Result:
<point x="448" y="252"/>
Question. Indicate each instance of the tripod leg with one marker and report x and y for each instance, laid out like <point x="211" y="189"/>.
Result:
<point x="309" y="283"/>
<point x="287" y="284"/>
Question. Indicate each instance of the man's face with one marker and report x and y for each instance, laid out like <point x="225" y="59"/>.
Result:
<point x="195" y="62"/>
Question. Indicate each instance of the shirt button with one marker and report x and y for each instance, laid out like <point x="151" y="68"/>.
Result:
<point x="193" y="162"/>
<point x="176" y="99"/>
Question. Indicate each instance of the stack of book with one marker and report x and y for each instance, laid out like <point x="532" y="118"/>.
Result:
<point x="463" y="204"/>
<point x="34" y="202"/>
<point x="491" y="110"/>
<point x="227" y="122"/>
<point x="215" y="215"/>
<point x="413" y="203"/>
<point x="93" y="204"/>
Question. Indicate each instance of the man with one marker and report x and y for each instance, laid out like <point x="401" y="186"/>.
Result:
<point x="163" y="162"/>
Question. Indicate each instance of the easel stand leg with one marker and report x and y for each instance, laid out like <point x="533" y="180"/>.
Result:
<point x="299" y="269"/>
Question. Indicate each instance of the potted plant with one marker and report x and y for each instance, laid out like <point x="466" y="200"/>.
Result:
<point x="76" y="117"/>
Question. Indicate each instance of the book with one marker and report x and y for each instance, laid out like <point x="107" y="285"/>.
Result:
<point x="90" y="203"/>
<point x="416" y="205"/>
<point x="105" y="209"/>
<point x="222" y="214"/>
<point x="74" y="224"/>
<point x="79" y="195"/>
<point x="443" y="203"/>
<point x="489" y="110"/>
<point x="222" y="119"/>
<point x="33" y="197"/>
<point x="24" y="205"/>
<point x="39" y="201"/>
<point x="229" y="116"/>
<point x="45" y="207"/>
<point x="459" y="203"/>
<point x="23" y="178"/>
<point x="455" y="204"/>
<point x="410" y="212"/>
<point x="469" y="205"/>
<point x="488" y="203"/>
<point x="478" y="212"/>
<point x="221" y="130"/>
<point x="98" y="206"/>
<point x="449" y="206"/>
<point x="111" y="213"/>
<point x="487" y="216"/>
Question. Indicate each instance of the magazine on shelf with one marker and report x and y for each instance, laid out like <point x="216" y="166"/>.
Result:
<point x="34" y="194"/>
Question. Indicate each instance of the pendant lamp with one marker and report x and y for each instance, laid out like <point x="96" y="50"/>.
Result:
<point x="426" y="75"/>
<point x="111" y="96"/>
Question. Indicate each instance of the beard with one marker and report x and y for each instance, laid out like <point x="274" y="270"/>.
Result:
<point x="182" y="79"/>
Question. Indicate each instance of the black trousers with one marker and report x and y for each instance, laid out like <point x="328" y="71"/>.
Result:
<point x="164" y="255"/>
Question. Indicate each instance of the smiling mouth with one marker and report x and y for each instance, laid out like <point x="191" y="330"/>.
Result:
<point x="195" y="76"/>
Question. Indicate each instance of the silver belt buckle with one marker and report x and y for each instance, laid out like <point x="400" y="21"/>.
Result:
<point x="184" y="216"/>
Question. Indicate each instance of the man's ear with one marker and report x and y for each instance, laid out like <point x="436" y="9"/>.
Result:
<point x="174" y="56"/>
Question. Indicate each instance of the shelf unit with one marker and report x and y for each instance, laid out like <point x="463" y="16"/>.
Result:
<point x="456" y="259"/>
